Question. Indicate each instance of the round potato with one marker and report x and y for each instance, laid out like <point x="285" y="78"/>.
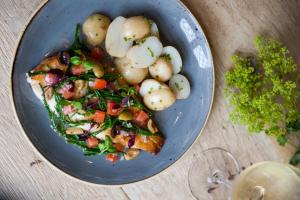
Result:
<point x="180" y="85"/>
<point x="145" y="53"/>
<point x="136" y="28"/>
<point x="150" y="85"/>
<point x="159" y="99"/>
<point x="161" y="70"/>
<point x="131" y="74"/>
<point x="94" y="28"/>
<point x="115" y="44"/>
<point x="174" y="57"/>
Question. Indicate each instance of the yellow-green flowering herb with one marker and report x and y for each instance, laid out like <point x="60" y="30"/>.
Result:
<point x="264" y="94"/>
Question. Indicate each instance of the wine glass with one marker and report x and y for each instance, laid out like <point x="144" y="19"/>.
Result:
<point x="215" y="174"/>
<point x="212" y="173"/>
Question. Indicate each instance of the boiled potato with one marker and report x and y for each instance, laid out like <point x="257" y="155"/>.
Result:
<point x="154" y="29"/>
<point x="150" y="85"/>
<point x="94" y="28"/>
<point x="159" y="99"/>
<point x="145" y="53"/>
<point x="161" y="70"/>
<point x="114" y="43"/>
<point x="174" y="57"/>
<point x="180" y="85"/>
<point x="136" y="27"/>
<point x="131" y="74"/>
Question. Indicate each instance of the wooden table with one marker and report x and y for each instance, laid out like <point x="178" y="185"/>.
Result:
<point x="229" y="26"/>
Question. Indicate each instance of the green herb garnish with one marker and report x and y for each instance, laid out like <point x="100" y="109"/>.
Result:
<point x="87" y="64"/>
<point x="75" y="60"/>
<point x="151" y="52"/>
<point x="263" y="90"/>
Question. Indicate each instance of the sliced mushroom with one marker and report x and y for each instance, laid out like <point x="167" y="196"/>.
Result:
<point x="151" y="126"/>
<point x="74" y="131"/>
<point x="131" y="154"/>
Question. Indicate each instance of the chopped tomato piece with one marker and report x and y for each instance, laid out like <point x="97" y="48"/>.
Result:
<point x="99" y="116"/>
<point x="92" y="142"/>
<point x="111" y="157"/>
<point x="77" y="69"/>
<point x="113" y="109"/>
<point x="97" y="53"/>
<point x="141" y="117"/>
<point x="99" y="84"/>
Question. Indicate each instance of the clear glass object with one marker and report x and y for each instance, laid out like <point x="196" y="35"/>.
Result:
<point x="215" y="174"/>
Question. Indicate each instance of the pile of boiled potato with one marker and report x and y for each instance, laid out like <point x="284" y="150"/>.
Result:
<point x="137" y="51"/>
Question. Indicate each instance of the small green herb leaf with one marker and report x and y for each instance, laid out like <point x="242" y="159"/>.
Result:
<point x="151" y="52"/>
<point x="75" y="60"/>
<point x="77" y="105"/>
<point x="88" y="64"/>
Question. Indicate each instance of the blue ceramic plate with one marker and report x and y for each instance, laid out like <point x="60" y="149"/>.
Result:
<point x="52" y="29"/>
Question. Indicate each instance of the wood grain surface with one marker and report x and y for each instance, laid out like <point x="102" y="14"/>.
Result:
<point x="229" y="25"/>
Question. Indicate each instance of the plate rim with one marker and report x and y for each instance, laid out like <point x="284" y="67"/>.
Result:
<point x="56" y="168"/>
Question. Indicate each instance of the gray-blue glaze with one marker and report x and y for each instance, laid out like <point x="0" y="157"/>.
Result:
<point x="53" y="28"/>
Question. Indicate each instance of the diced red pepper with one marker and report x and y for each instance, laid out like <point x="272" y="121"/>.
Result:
<point x="99" y="84"/>
<point x="99" y="116"/>
<point x="141" y="117"/>
<point x="111" y="157"/>
<point x="113" y="109"/>
<point x="92" y="142"/>
<point x="77" y="69"/>
<point x="97" y="53"/>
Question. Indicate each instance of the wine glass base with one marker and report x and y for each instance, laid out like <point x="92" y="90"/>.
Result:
<point x="212" y="173"/>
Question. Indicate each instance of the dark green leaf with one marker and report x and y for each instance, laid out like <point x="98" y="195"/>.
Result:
<point x="282" y="139"/>
<point x="295" y="160"/>
<point x="293" y="126"/>
<point x="77" y="43"/>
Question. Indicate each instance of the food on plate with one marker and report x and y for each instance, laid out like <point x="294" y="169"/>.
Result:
<point x="136" y="27"/>
<point x="131" y="74"/>
<point x="161" y="70"/>
<point x="149" y="85"/>
<point x="101" y="100"/>
<point x="159" y="99"/>
<point x="174" y="57"/>
<point x="115" y="43"/>
<point x="94" y="28"/>
<point x="180" y="86"/>
<point x="145" y="53"/>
